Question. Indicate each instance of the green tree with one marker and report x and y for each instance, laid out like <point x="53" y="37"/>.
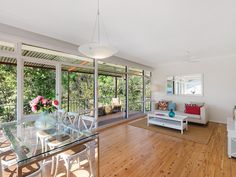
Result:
<point x="38" y="81"/>
<point x="79" y="87"/>
<point x="7" y="92"/>
<point x="135" y="92"/>
<point x="106" y="89"/>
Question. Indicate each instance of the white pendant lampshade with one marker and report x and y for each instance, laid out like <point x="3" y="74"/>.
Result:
<point x="97" y="50"/>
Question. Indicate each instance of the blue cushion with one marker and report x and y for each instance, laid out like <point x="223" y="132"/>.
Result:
<point x="171" y="106"/>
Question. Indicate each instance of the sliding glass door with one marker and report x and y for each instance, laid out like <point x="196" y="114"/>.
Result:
<point x="7" y="89"/>
<point x="77" y="89"/>
<point x="122" y="91"/>
<point x="111" y="93"/>
<point x="40" y="80"/>
<point x="148" y="94"/>
<point x="135" y="94"/>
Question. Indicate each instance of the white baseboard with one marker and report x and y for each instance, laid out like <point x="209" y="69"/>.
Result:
<point x="216" y="121"/>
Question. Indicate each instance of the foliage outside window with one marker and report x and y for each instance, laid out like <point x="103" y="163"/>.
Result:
<point x="135" y="92"/>
<point x="77" y="86"/>
<point x="38" y="81"/>
<point x="77" y="91"/>
<point x="8" y="92"/>
<point x="106" y="89"/>
<point x="121" y="90"/>
<point x="148" y="93"/>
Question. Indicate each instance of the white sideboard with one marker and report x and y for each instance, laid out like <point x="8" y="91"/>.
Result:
<point x="231" y="129"/>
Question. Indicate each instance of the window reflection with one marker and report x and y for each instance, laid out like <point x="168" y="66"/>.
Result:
<point x="185" y="85"/>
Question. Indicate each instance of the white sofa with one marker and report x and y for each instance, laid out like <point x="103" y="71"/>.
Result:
<point x="201" y="119"/>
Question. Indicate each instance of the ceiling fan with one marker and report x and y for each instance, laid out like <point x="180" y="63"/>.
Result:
<point x="190" y="58"/>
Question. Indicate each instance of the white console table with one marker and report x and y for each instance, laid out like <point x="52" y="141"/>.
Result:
<point x="231" y="129"/>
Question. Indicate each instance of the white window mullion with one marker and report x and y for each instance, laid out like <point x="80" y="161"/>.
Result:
<point x="20" y="82"/>
<point x="144" y="92"/>
<point x="96" y="92"/>
<point x="58" y="84"/>
<point x="126" y="93"/>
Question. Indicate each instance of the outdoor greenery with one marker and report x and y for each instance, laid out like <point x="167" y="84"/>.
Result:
<point x="77" y="89"/>
<point x="7" y="92"/>
<point x="38" y="81"/>
<point x="106" y="89"/>
<point x="135" y="93"/>
<point x="148" y="93"/>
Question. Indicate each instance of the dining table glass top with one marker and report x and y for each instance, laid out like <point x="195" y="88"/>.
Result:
<point x="26" y="140"/>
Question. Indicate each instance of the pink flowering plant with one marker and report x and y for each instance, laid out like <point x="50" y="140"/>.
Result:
<point x="41" y="104"/>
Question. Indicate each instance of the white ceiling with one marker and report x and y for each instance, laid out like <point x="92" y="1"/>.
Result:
<point x="144" y="31"/>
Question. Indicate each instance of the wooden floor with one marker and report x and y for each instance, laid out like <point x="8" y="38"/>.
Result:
<point x="128" y="151"/>
<point x="134" y="152"/>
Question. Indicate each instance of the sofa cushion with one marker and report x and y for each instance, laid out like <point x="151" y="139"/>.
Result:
<point x="192" y="109"/>
<point x="171" y="106"/>
<point x="108" y="109"/>
<point x="101" y="111"/>
<point x="163" y="105"/>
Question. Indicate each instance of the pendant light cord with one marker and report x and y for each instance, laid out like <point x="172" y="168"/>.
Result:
<point x="98" y="13"/>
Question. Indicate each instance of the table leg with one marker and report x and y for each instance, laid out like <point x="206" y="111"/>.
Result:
<point x="98" y="158"/>
<point x="186" y="124"/>
<point x="1" y="168"/>
<point x="182" y="127"/>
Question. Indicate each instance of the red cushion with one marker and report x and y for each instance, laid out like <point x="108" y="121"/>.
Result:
<point x="192" y="109"/>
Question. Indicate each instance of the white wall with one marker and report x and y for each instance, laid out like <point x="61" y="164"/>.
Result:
<point x="219" y="84"/>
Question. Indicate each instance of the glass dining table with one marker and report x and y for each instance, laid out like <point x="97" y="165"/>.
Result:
<point x="24" y="139"/>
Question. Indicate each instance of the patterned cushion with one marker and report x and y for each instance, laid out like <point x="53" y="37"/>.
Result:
<point x="108" y="109"/>
<point x="163" y="105"/>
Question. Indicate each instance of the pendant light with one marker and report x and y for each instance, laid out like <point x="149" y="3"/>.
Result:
<point x="97" y="50"/>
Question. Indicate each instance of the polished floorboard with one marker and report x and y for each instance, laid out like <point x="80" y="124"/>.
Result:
<point x="128" y="151"/>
